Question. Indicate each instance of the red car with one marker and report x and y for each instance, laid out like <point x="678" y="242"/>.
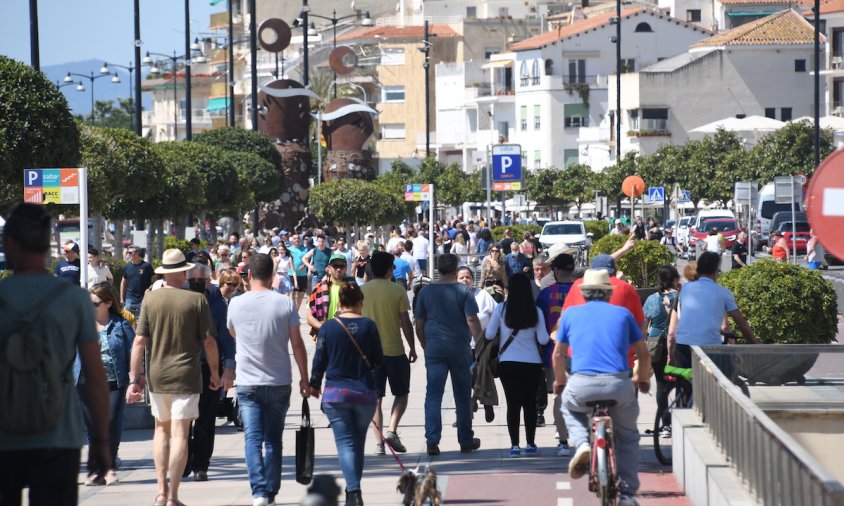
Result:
<point x="727" y="227"/>
<point x="803" y="235"/>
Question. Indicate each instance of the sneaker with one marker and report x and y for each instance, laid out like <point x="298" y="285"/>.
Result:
<point x="579" y="464"/>
<point x="515" y="451"/>
<point x="531" y="450"/>
<point x="540" y="421"/>
<point x="259" y="501"/>
<point x="393" y="440"/>
<point x="489" y="413"/>
<point x="379" y="449"/>
<point x="563" y="449"/>
<point x="111" y="477"/>
<point x="200" y="476"/>
<point x="433" y="449"/>
<point x="665" y="432"/>
<point x="627" y="500"/>
<point x="474" y="445"/>
<point x="94" y="480"/>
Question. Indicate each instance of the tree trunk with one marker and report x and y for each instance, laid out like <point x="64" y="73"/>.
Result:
<point x="150" y="239"/>
<point x="159" y="239"/>
<point x="96" y="238"/>
<point x="117" y="246"/>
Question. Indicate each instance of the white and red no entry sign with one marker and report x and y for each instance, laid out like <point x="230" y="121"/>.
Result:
<point x="825" y="203"/>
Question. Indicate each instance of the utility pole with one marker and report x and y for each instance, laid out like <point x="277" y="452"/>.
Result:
<point x="817" y="139"/>
<point x="232" y="121"/>
<point x="426" y="43"/>
<point x="188" y="64"/>
<point x="35" y="52"/>
<point x="253" y="56"/>
<point x="618" y="81"/>
<point x="137" y="76"/>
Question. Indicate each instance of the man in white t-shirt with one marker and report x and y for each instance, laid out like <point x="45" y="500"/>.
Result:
<point x="264" y="373"/>
<point x="420" y="250"/>
<point x="98" y="271"/>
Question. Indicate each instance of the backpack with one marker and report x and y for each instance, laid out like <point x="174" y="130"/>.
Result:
<point x="32" y="381"/>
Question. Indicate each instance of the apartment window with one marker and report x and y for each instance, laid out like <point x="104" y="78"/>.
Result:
<point x="392" y="94"/>
<point x="570" y="157"/>
<point x="785" y="114"/>
<point x="628" y="65"/>
<point x="693" y="15"/>
<point x="523" y="118"/>
<point x="471" y="12"/>
<point x="577" y="71"/>
<point x="503" y="131"/>
<point x="537" y="159"/>
<point x="652" y="120"/>
<point x="392" y="56"/>
<point x="800" y="65"/>
<point x="644" y="28"/>
<point x="524" y="76"/>
<point x="576" y="115"/>
<point x="771" y="112"/>
<point x="391" y="131"/>
<point x="549" y="67"/>
<point x="536" y="122"/>
<point x="489" y="51"/>
<point x="503" y="12"/>
<point x="534" y="74"/>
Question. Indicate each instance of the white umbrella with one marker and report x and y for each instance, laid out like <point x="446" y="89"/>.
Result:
<point x="836" y="123"/>
<point x="746" y="124"/>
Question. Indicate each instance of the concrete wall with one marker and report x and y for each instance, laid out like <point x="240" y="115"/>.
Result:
<point x="819" y="433"/>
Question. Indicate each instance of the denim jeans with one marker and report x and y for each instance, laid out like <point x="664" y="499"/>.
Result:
<point x="438" y="368"/>
<point x="263" y="409"/>
<point x="618" y="387"/>
<point x="116" y="412"/>
<point x="350" y="422"/>
<point x="133" y="306"/>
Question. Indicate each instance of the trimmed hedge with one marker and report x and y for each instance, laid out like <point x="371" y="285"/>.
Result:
<point x="641" y="264"/>
<point x="598" y="228"/>
<point x="785" y="303"/>
<point x="518" y="231"/>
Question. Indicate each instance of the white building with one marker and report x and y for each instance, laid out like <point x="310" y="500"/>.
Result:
<point x="760" y="68"/>
<point x="832" y="15"/>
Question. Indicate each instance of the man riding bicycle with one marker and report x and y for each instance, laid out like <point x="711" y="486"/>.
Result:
<point x="600" y="335"/>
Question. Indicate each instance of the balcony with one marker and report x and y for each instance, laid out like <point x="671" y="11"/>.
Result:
<point x="529" y="80"/>
<point x="649" y="128"/>
<point x="574" y="80"/>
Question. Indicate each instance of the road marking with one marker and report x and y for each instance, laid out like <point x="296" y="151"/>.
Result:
<point x="833" y="202"/>
<point x="565" y="501"/>
<point x="563" y="485"/>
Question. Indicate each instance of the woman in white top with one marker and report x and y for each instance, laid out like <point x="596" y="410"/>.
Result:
<point x="98" y="271"/>
<point x="714" y="241"/>
<point x="520" y="327"/>
<point x="461" y="249"/>
<point x="284" y="266"/>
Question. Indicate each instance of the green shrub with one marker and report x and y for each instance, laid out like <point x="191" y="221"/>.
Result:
<point x="171" y="242"/>
<point x="518" y="231"/>
<point x="785" y="303"/>
<point x="598" y="228"/>
<point x="641" y="264"/>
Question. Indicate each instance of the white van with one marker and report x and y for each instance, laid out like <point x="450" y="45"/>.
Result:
<point x="708" y="213"/>
<point x="765" y="210"/>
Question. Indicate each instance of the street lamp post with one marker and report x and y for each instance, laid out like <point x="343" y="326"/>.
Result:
<point x="104" y="72"/>
<point x="426" y="48"/>
<point x="367" y="21"/>
<point x="174" y="59"/>
<point x="136" y="109"/>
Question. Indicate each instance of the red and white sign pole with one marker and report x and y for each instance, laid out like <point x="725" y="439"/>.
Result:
<point x="825" y="203"/>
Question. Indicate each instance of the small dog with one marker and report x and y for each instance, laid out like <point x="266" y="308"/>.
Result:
<point x="417" y="487"/>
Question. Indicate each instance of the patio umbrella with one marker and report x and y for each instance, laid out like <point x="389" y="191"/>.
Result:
<point x="836" y="123"/>
<point x="746" y="124"/>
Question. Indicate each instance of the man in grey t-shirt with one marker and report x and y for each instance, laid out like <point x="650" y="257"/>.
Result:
<point x="263" y="322"/>
<point x="446" y="321"/>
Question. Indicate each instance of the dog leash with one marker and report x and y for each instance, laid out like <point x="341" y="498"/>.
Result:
<point x="395" y="455"/>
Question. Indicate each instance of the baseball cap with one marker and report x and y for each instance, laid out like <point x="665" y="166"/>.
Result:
<point x="71" y="246"/>
<point x="563" y="261"/>
<point x="617" y="221"/>
<point x="604" y="261"/>
<point x="338" y="256"/>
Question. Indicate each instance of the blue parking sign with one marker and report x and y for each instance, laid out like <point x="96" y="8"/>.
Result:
<point x="507" y="163"/>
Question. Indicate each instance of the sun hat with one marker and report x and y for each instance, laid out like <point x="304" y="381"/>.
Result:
<point x="605" y="262"/>
<point x="596" y="279"/>
<point x="558" y="249"/>
<point x="173" y="260"/>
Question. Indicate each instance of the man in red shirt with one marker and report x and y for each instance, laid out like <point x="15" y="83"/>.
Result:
<point x="623" y="294"/>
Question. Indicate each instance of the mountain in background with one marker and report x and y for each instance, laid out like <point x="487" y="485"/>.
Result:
<point x="80" y="101"/>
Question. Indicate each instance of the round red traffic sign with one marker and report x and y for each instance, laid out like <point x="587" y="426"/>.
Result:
<point x="633" y="186"/>
<point x="825" y="203"/>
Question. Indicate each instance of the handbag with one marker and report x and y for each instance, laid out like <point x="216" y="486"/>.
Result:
<point x="305" y="447"/>
<point x="658" y="346"/>
<point x="495" y="353"/>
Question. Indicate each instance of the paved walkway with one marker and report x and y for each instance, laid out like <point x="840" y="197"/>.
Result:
<point x="487" y="476"/>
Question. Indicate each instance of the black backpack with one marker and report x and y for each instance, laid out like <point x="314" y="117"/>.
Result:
<point x="32" y="381"/>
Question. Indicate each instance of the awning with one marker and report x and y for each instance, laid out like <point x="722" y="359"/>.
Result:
<point x="218" y="104"/>
<point x="498" y="64"/>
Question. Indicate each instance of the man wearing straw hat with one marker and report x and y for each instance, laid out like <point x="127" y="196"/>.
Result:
<point x="600" y="334"/>
<point x="173" y="326"/>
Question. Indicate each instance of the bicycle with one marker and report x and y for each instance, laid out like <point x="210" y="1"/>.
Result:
<point x="680" y="397"/>
<point x="603" y="472"/>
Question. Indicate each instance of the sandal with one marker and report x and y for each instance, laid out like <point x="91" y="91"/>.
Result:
<point x="159" y="501"/>
<point x="174" y="502"/>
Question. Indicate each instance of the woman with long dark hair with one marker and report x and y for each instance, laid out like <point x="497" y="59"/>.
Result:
<point x="520" y="328"/>
<point x="348" y="348"/>
<point x="657" y="309"/>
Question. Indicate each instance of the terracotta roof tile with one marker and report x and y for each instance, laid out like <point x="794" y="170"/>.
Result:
<point x="783" y="28"/>
<point x="782" y="4"/>
<point x="831" y="7"/>
<point x="398" y="32"/>
<point x="566" y="31"/>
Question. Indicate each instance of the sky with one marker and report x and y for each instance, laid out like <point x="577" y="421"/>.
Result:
<point x="103" y="29"/>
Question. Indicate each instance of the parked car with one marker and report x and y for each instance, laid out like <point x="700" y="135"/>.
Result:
<point x="727" y="227"/>
<point x="572" y="233"/>
<point x="786" y="217"/>
<point x="802" y="234"/>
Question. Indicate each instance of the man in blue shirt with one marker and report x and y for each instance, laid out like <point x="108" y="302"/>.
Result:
<point x="402" y="272"/>
<point x="700" y="315"/>
<point x="297" y="251"/>
<point x="69" y="267"/>
<point x="600" y="335"/>
<point x="516" y="261"/>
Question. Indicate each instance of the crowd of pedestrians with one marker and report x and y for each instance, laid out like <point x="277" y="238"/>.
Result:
<point x="226" y="316"/>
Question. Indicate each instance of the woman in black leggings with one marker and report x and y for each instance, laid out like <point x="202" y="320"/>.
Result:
<point x="520" y="328"/>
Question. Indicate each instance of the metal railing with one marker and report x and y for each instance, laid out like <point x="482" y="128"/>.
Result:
<point x="776" y="468"/>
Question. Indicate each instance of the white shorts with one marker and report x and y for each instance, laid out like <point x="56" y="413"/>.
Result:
<point x="166" y="407"/>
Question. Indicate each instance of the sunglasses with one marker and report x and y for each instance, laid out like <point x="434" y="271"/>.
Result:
<point x="97" y="304"/>
<point x="338" y="266"/>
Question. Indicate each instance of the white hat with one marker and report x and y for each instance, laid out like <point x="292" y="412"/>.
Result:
<point x="173" y="260"/>
<point x="596" y="279"/>
<point x="558" y="249"/>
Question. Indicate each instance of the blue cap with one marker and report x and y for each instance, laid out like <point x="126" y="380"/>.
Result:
<point x="284" y="232"/>
<point x="604" y="261"/>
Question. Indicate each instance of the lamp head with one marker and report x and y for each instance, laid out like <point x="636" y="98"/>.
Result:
<point x="367" y="20"/>
<point x="147" y="59"/>
<point x="154" y="70"/>
<point x="195" y="46"/>
<point x="297" y="23"/>
<point x="68" y="78"/>
<point x="80" y="86"/>
<point x="115" y="78"/>
<point x="104" y="69"/>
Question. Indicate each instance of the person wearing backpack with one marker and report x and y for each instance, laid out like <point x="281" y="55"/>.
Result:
<point x="45" y="321"/>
